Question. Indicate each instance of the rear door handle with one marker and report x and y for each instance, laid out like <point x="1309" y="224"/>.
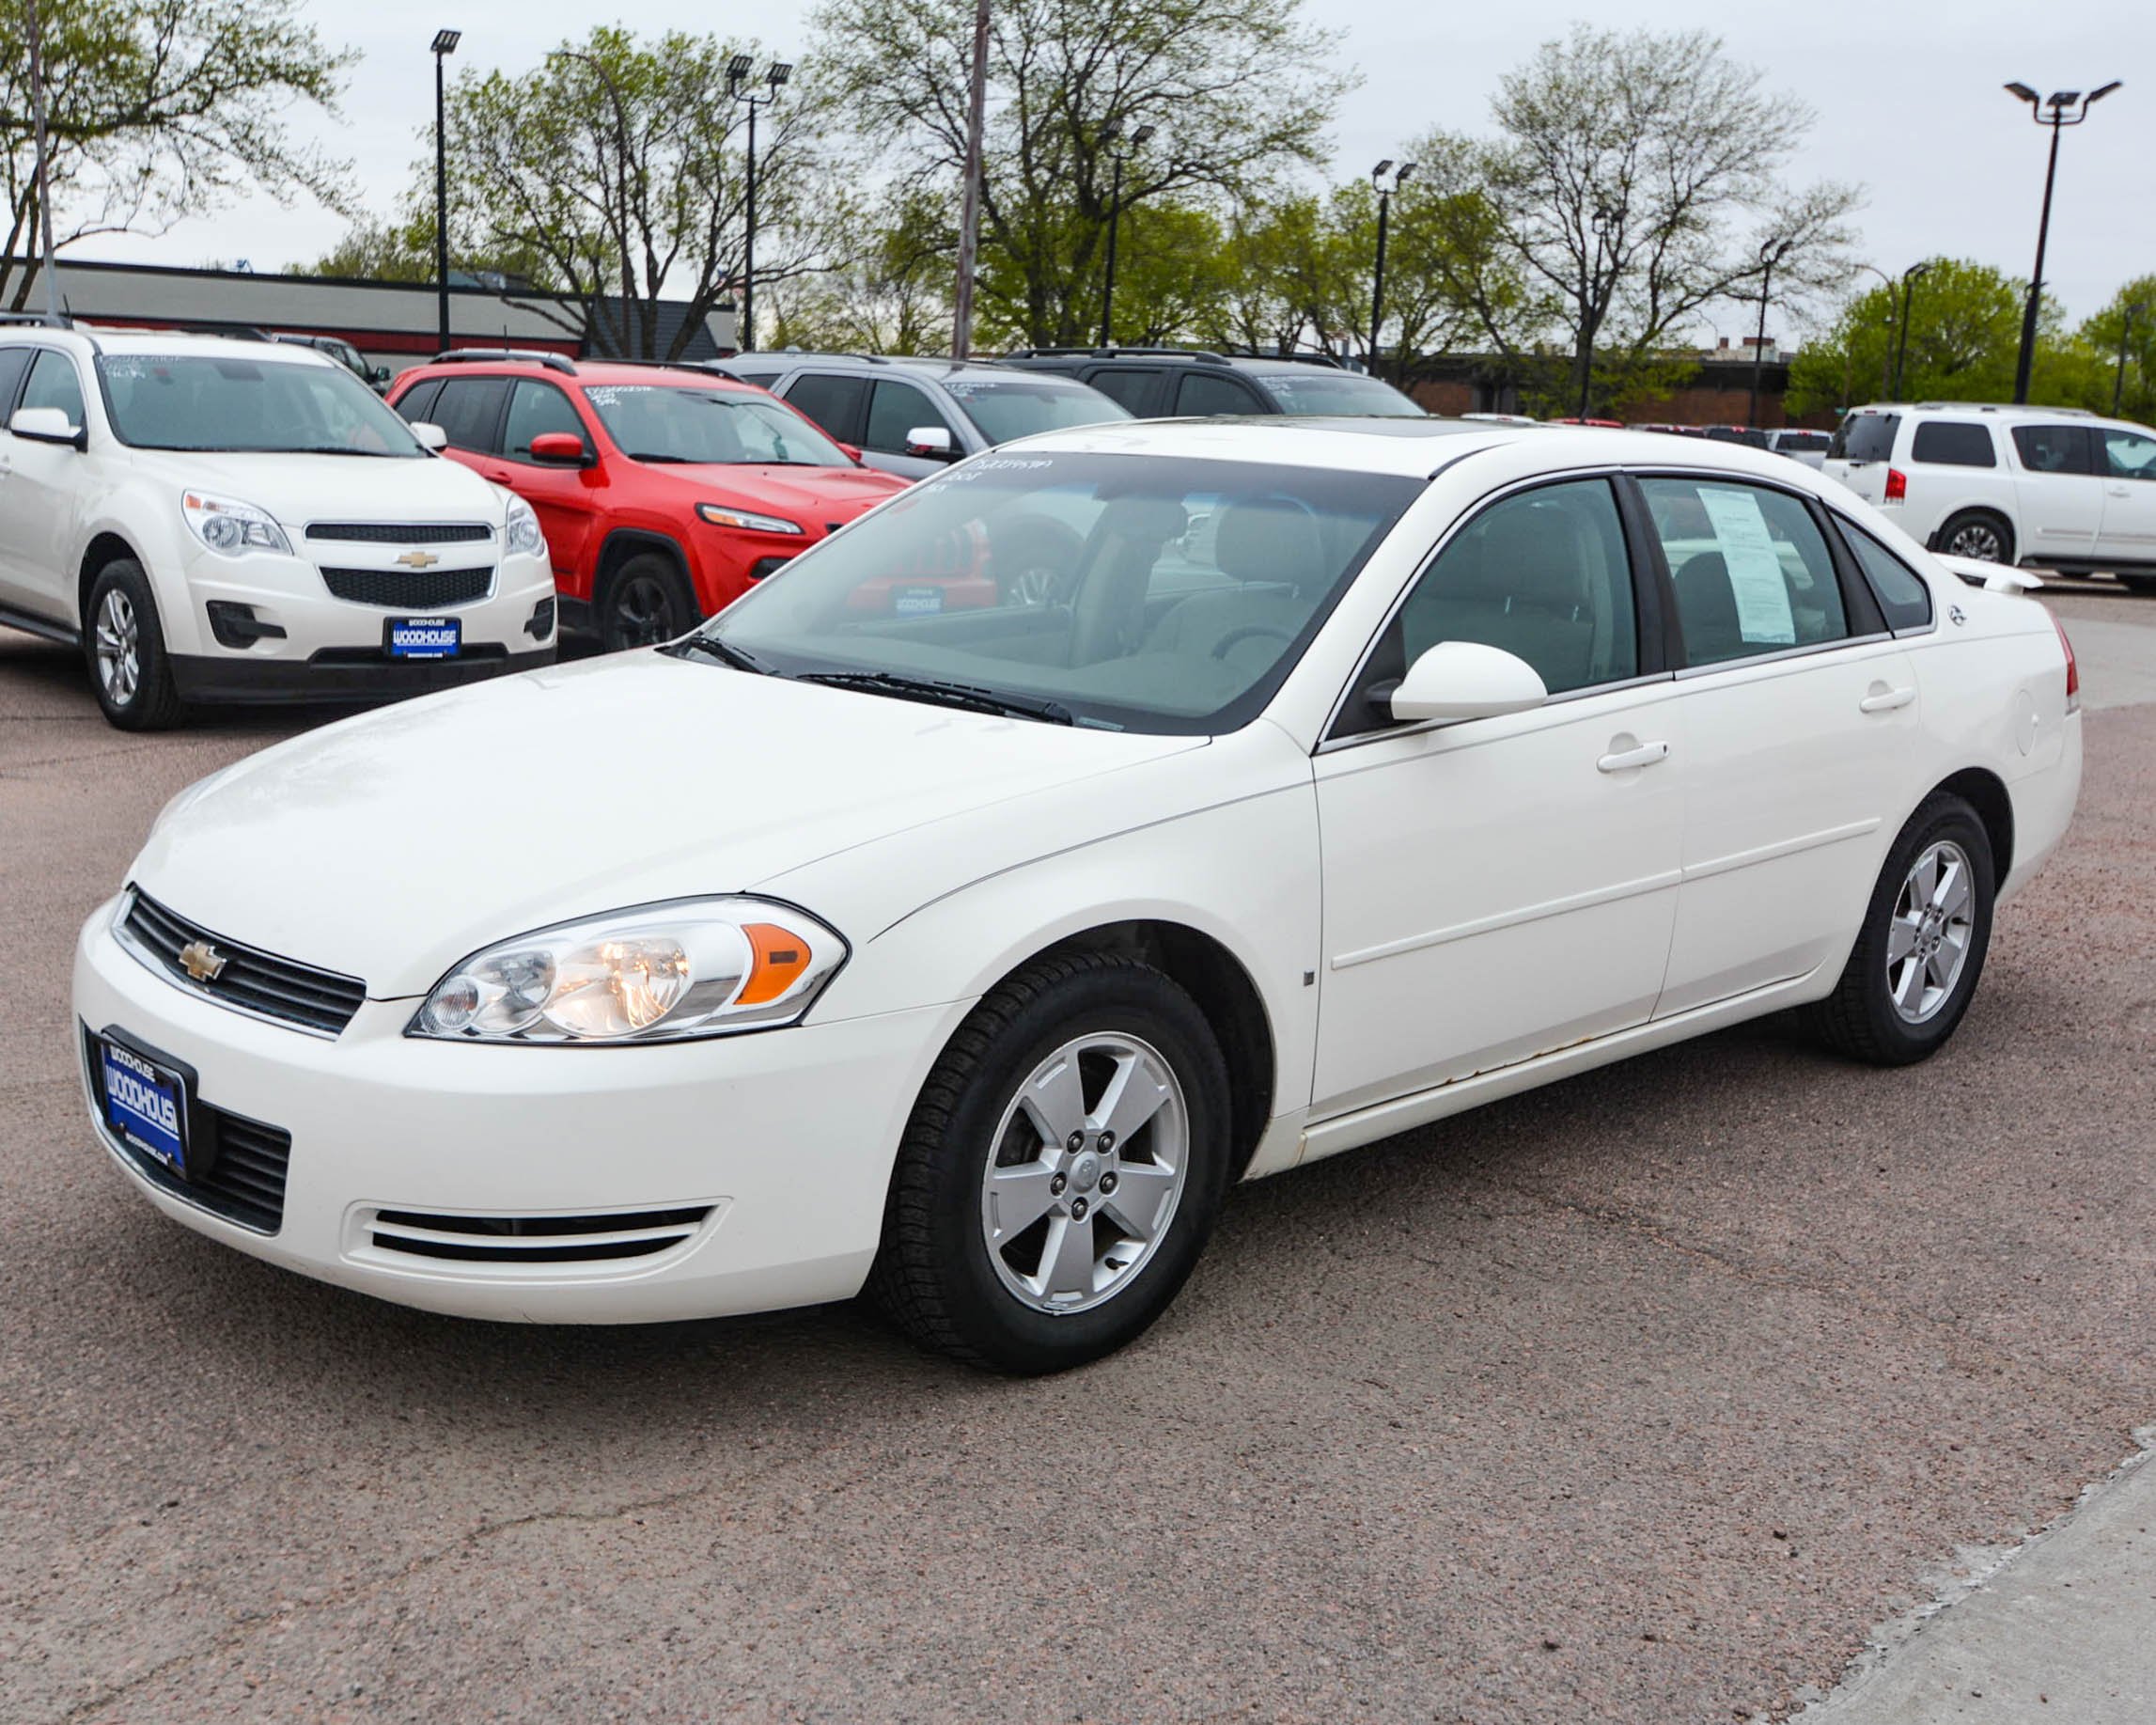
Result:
<point x="1646" y="755"/>
<point x="1886" y="700"/>
<point x="2120" y="490"/>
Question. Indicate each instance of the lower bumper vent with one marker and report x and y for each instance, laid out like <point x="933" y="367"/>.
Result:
<point x="536" y="1239"/>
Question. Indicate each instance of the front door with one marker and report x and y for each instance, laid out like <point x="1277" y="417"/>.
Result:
<point x="1800" y="771"/>
<point x="2128" y="460"/>
<point x="1503" y="886"/>
<point x="563" y="498"/>
<point x="2058" y="492"/>
<point x="42" y="488"/>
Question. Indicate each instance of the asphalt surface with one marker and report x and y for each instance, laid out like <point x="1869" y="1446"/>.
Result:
<point x="1644" y="1397"/>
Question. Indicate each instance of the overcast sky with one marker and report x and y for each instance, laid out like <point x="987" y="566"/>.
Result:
<point x="1907" y="94"/>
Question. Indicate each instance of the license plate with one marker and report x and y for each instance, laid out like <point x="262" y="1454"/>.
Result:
<point x="426" y="637"/>
<point x="145" y="1103"/>
<point x="917" y="601"/>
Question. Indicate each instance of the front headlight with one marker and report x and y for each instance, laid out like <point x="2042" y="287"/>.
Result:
<point x="657" y="973"/>
<point x="230" y="527"/>
<point x="520" y="534"/>
<point x="719" y="515"/>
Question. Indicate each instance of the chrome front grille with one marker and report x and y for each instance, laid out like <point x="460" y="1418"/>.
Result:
<point x="239" y="977"/>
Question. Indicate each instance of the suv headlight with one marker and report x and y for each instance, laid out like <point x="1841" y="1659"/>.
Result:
<point x="230" y="527"/>
<point x="657" y="973"/>
<point x="521" y="533"/>
<point x="719" y="515"/>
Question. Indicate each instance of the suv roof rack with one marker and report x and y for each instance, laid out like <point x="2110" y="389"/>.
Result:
<point x="527" y="357"/>
<point x="790" y="355"/>
<point x="48" y="319"/>
<point x="2003" y="407"/>
<point x="1204" y="356"/>
<point x="655" y="365"/>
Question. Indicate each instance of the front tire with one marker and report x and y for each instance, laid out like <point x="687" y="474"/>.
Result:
<point x="1917" y="958"/>
<point x="124" y="645"/>
<point x="1062" y="1168"/>
<point x="648" y="601"/>
<point x="1978" y="534"/>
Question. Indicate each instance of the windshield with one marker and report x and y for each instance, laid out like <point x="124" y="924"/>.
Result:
<point x="227" y="402"/>
<point x="728" y="428"/>
<point x="1005" y="408"/>
<point x="1139" y="592"/>
<point x="1313" y="390"/>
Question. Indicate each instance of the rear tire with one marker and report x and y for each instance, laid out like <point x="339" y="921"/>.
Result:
<point x="1024" y="1232"/>
<point x="123" y="644"/>
<point x="1978" y="534"/>
<point x="1921" y="949"/>
<point x="647" y="600"/>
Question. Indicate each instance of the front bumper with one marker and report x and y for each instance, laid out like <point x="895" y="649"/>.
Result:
<point x="336" y="674"/>
<point x="771" y="1153"/>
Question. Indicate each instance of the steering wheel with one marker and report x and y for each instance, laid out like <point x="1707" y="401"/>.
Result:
<point x="1245" y="633"/>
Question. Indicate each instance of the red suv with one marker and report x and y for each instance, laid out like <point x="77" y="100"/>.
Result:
<point x="663" y="493"/>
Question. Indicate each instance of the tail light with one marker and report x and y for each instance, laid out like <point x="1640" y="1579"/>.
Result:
<point x="1896" y="486"/>
<point x="2073" y="670"/>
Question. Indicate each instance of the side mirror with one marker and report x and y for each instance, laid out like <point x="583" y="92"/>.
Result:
<point x="430" y="436"/>
<point x="48" y="425"/>
<point x="560" y="450"/>
<point x="378" y="374"/>
<point x="1464" y="680"/>
<point x="930" y="440"/>
<point x="851" y="451"/>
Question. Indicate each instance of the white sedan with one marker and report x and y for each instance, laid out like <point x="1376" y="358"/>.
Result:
<point x="880" y="935"/>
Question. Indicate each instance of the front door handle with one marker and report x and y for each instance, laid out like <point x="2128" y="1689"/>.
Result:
<point x="1885" y="700"/>
<point x="1646" y="755"/>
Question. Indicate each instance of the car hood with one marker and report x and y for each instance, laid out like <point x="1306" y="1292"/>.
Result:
<point x="297" y="489"/>
<point x="390" y="845"/>
<point x="810" y="495"/>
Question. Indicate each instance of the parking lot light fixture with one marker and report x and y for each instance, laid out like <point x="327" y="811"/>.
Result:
<point x="1771" y="252"/>
<point x="739" y="72"/>
<point x="1377" y="279"/>
<point x="1140" y="136"/>
<point x="1606" y="222"/>
<point x="444" y="46"/>
<point x="2064" y="108"/>
<point x="1909" y="277"/>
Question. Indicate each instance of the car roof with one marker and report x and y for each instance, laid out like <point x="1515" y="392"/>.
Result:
<point x="1413" y="448"/>
<point x="869" y="365"/>
<point x="98" y="339"/>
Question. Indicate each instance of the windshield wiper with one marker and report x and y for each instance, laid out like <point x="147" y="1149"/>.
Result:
<point x="725" y="652"/>
<point x="668" y="460"/>
<point x="323" y="449"/>
<point x="945" y="694"/>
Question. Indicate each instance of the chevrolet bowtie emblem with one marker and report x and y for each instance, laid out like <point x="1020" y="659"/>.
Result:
<point x="419" y="559"/>
<point x="201" y="961"/>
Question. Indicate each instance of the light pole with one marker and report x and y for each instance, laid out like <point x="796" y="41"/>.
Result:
<point x="2062" y="105"/>
<point x="969" y="198"/>
<point x="2134" y="308"/>
<point x="1909" y="277"/>
<point x="1140" y="135"/>
<point x="1378" y="278"/>
<point x="1771" y="253"/>
<point x="1886" y="337"/>
<point x="1604" y="220"/>
<point x="775" y="75"/>
<point x="444" y="46"/>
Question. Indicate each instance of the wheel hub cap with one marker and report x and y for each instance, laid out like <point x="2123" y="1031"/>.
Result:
<point x="1089" y="1164"/>
<point x="1928" y="940"/>
<point x="118" y="640"/>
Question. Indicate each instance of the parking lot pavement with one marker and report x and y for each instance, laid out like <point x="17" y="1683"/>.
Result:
<point x="1642" y="1396"/>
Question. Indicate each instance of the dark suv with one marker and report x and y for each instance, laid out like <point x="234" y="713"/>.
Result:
<point x="1192" y="384"/>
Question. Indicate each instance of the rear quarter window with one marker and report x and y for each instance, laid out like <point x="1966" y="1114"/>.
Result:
<point x="1903" y="598"/>
<point x="1948" y="443"/>
<point x="1865" y="437"/>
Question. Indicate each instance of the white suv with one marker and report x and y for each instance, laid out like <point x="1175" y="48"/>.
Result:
<point x="220" y="520"/>
<point x="2049" y="485"/>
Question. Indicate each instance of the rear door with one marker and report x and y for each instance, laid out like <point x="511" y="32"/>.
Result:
<point x="1800" y="711"/>
<point x="469" y="410"/>
<point x="1137" y="388"/>
<point x="2128" y="534"/>
<point x="2058" y="489"/>
<point x="838" y="401"/>
<point x="1201" y="394"/>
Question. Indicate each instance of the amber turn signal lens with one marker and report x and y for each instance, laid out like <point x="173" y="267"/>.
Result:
<point x="778" y="957"/>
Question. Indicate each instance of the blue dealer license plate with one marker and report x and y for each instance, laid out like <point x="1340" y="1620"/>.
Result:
<point x="143" y="1104"/>
<point x="426" y="637"/>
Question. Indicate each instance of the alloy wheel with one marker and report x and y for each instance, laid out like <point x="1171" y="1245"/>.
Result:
<point x="1979" y="541"/>
<point x="643" y="612"/>
<point x="1090" y="1161"/>
<point x="119" y="640"/>
<point x="1927" y="941"/>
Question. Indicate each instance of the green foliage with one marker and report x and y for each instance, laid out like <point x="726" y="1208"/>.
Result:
<point x="2101" y="342"/>
<point x="157" y="110"/>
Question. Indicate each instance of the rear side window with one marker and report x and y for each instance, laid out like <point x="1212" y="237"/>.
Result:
<point x="469" y="410"/>
<point x="417" y="403"/>
<point x="1204" y="392"/>
<point x="1900" y="591"/>
<point x="1130" y="387"/>
<point x="2052" y="449"/>
<point x="1752" y="571"/>
<point x="13" y="363"/>
<point x="835" y="404"/>
<point x="762" y="380"/>
<point x="1948" y="443"/>
<point x="1865" y="437"/>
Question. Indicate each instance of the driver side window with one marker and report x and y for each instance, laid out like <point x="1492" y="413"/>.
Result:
<point x="1542" y="574"/>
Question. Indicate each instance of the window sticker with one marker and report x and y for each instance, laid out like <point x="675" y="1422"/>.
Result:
<point x="1755" y="578"/>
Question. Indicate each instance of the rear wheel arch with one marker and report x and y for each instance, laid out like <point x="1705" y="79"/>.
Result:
<point x="1986" y="794"/>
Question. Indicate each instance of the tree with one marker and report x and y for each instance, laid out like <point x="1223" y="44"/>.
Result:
<point x="617" y="167"/>
<point x="1634" y="179"/>
<point x="1230" y="83"/>
<point x="157" y="110"/>
<point x="891" y="290"/>
<point x="2102" y="336"/>
<point x="1964" y="330"/>
<point x="401" y="249"/>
